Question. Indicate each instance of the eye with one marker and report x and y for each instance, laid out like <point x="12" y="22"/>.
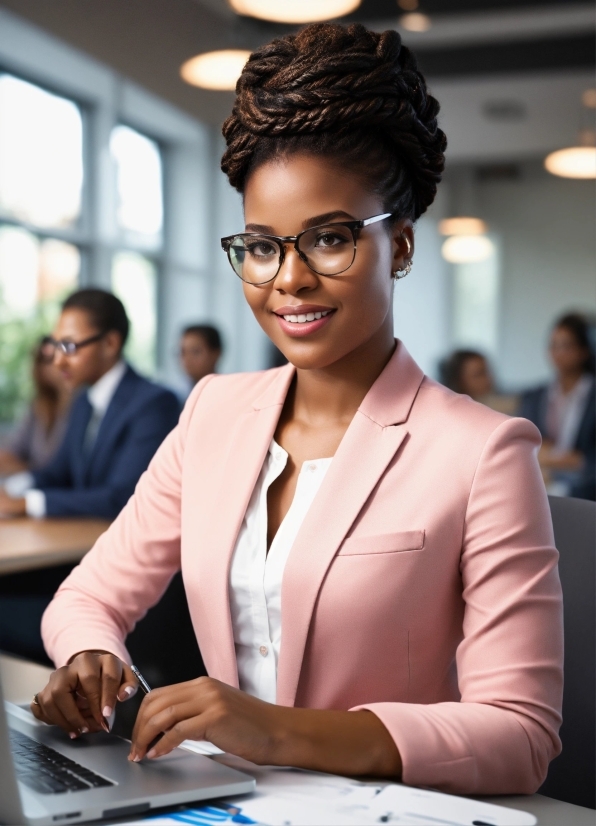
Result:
<point x="330" y="239"/>
<point x="261" y="249"/>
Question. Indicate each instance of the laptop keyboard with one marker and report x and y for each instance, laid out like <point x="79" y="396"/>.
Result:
<point x="47" y="771"/>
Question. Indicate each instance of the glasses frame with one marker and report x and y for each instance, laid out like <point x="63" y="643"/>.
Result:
<point x="284" y="240"/>
<point x="69" y="348"/>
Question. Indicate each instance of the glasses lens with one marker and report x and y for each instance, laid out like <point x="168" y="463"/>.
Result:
<point x="255" y="259"/>
<point x="328" y="250"/>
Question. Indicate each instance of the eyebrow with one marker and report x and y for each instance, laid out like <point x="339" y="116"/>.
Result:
<point x="315" y="221"/>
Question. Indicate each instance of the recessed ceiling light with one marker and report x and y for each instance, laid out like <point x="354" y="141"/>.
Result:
<point x="589" y="98"/>
<point x="295" y="11"/>
<point x="215" y="70"/>
<point x="408" y="5"/>
<point x="574" y="162"/>
<point x="467" y="249"/>
<point x="415" y="22"/>
<point x="462" y="226"/>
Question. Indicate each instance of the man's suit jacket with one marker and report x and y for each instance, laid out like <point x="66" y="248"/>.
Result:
<point x="99" y="482"/>
<point x="422" y="585"/>
<point x="534" y="406"/>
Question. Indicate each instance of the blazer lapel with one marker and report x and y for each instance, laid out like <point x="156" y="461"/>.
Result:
<point x="370" y="443"/>
<point x="247" y="450"/>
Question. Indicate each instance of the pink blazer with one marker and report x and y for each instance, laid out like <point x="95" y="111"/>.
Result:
<point x="423" y="584"/>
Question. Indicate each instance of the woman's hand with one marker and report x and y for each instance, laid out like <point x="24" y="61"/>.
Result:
<point x="11" y="507"/>
<point x="81" y="696"/>
<point x="340" y="742"/>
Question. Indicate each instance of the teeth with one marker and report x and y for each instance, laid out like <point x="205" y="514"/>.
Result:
<point x="300" y="319"/>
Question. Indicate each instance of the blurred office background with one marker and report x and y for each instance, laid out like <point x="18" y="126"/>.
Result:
<point x="109" y="176"/>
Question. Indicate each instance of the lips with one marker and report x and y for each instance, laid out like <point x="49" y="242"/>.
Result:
<point x="303" y="319"/>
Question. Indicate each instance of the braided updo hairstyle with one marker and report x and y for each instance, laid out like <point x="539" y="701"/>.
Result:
<point x="345" y="93"/>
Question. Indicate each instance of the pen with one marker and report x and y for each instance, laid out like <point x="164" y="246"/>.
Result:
<point x="142" y="681"/>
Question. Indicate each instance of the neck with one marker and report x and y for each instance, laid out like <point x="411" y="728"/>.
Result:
<point x="334" y="393"/>
<point x="107" y="369"/>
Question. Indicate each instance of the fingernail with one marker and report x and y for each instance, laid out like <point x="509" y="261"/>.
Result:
<point x="105" y="726"/>
<point x="107" y="711"/>
<point x="129" y="690"/>
<point x="136" y="759"/>
<point x="151" y="754"/>
<point x="84" y="730"/>
<point x="73" y="735"/>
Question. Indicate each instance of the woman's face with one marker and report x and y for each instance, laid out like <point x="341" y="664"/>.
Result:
<point x="566" y="354"/>
<point x="283" y="198"/>
<point x="476" y="379"/>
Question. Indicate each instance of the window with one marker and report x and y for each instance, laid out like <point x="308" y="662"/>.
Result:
<point x="138" y="165"/>
<point x="41" y="185"/>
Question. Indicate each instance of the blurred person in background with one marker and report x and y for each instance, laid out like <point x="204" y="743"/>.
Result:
<point x="468" y="372"/>
<point x="113" y="429"/>
<point x="200" y="349"/>
<point x="34" y="440"/>
<point x="564" y="411"/>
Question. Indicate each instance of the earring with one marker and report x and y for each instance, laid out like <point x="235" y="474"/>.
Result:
<point x="403" y="272"/>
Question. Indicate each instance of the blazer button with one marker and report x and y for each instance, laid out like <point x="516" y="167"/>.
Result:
<point x="264" y="650"/>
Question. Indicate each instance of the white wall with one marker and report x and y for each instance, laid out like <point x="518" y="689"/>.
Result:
<point x="548" y="263"/>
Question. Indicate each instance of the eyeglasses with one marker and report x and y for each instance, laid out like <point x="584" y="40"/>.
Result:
<point x="50" y="345"/>
<point x="329" y="249"/>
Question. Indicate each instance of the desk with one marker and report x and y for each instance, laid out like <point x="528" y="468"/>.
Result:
<point x="40" y="543"/>
<point x="21" y="680"/>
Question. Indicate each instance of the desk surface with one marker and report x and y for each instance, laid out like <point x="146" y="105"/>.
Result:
<point x="39" y="543"/>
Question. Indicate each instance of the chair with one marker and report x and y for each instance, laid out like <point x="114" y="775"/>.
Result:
<point x="571" y="776"/>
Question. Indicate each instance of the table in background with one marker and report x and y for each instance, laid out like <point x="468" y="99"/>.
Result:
<point x="27" y="544"/>
<point x="21" y="680"/>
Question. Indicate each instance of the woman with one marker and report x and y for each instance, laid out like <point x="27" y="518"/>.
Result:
<point x="468" y="371"/>
<point x="564" y="411"/>
<point x="37" y="436"/>
<point x="368" y="557"/>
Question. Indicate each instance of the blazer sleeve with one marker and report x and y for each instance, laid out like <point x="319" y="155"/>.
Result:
<point x="130" y="566"/>
<point x="501" y="736"/>
<point x="57" y="472"/>
<point x="147" y="431"/>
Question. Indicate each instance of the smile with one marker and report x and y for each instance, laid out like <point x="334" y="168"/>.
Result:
<point x="304" y="317"/>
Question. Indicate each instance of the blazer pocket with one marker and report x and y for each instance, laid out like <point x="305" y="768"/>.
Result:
<point x="384" y="543"/>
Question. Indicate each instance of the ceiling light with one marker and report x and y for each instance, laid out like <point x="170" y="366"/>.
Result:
<point x="467" y="249"/>
<point x="215" y="70"/>
<point x="415" y="22"/>
<point x="294" y="11"/>
<point x="462" y="226"/>
<point x="574" y="162"/>
<point x="408" y="5"/>
<point x="589" y="98"/>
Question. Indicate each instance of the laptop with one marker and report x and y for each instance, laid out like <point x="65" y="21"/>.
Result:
<point x="47" y="779"/>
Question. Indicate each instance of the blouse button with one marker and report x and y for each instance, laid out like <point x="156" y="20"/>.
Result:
<point x="263" y="650"/>
<point x="312" y="467"/>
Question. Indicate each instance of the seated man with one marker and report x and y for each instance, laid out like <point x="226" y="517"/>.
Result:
<point x="113" y="429"/>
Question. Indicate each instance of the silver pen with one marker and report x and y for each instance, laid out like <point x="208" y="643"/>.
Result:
<point x="142" y="681"/>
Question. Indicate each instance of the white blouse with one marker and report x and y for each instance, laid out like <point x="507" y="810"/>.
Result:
<point x="256" y="576"/>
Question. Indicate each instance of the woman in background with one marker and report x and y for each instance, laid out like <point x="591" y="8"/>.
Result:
<point x="564" y="411"/>
<point x="468" y="372"/>
<point x="33" y="441"/>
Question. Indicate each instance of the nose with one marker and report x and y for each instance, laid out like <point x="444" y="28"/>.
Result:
<point x="59" y="358"/>
<point x="294" y="275"/>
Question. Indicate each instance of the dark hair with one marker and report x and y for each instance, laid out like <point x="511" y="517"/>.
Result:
<point x="578" y="326"/>
<point x="105" y="311"/>
<point x="452" y="368"/>
<point x="210" y="334"/>
<point x="345" y="93"/>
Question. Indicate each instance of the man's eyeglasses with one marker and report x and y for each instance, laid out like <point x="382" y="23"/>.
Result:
<point x="50" y="346"/>
<point x="329" y="249"/>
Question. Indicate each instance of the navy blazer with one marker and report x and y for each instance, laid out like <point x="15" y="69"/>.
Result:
<point x="139" y="417"/>
<point x="533" y="406"/>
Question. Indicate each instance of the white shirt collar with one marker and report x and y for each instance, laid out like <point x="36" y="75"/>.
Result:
<point x="101" y="393"/>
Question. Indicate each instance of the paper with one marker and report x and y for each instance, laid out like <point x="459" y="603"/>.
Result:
<point x="291" y="797"/>
<point x="200" y="747"/>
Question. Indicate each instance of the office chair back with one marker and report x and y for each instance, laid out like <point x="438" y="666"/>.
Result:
<point x="571" y="776"/>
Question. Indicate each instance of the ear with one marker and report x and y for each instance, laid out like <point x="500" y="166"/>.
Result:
<point x="112" y="343"/>
<point x="403" y="243"/>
